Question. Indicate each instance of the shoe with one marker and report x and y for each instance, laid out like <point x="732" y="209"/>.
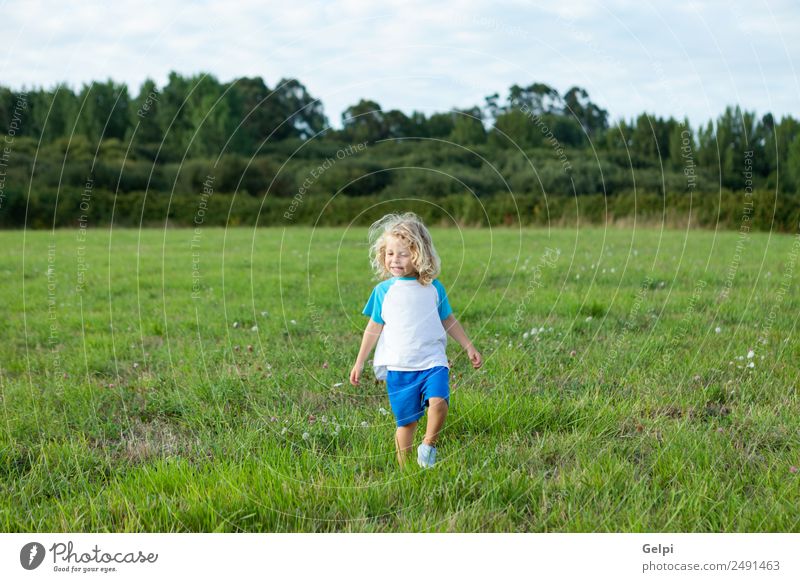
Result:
<point x="426" y="456"/>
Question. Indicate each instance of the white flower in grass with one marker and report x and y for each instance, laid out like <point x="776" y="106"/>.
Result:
<point x="740" y="357"/>
<point x="264" y="313"/>
<point x="383" y="411"/>
<point x="364" y="424"/>
<point x="254" y="328"/>
<point x="751" y="365"/>
<point x="525" y="335"/>
<point x="293" y="322"/>
<point x="284" y="430"/>
<point x="235" y="324"/>
<point x="338" y="384"/>
<point x="589" y="318"/>
<point x="718" y="329"/>
<point x="750" y="354"/>
<point x="306" y="436"/>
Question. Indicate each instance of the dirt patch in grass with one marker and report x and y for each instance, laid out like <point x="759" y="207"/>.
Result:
<point x="140" y="442"/>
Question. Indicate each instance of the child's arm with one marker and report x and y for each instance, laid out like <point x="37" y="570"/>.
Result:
<point x="457" y="332"/>
<point x="371" y="335"/>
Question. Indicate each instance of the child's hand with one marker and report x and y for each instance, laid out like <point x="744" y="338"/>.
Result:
<point x="355" y="374"/>
<point x="475" y="357"/>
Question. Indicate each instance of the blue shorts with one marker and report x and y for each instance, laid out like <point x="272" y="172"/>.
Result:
<point x="409" y="391"/>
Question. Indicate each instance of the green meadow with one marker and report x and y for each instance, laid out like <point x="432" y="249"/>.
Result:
<point x="179" y="380"/>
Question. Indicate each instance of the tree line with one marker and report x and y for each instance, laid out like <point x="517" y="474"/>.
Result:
<point x="258" y="140"/>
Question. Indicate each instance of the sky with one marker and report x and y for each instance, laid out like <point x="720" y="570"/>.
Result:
<point x="684" y="59"/>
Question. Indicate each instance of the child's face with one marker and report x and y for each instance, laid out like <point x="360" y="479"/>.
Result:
<point x="398" y="258"/>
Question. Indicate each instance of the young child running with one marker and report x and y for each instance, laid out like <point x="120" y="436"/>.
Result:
<point x="410" y="318"/>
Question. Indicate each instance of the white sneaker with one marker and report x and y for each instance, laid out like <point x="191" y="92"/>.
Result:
<point x="426" y="456"/>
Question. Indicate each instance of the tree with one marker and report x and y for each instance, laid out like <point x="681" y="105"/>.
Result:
<point x="565" y="129"/>
<point x="651" y="137"/>
<point x="209" y="111"/>
<point x="398" y="124"/>
<point x="682" y="149"/>
<point x="365" y="122"/>
<point x="63" y="109"/>
<point x="173" y="117"/>
<point x="491" y="107"/>
<point x="736" y="134"/>
<point x="768" y="126"/>
<point x="515" y="128"/>
<point x="538" y="99"/>
<point x="106" y="111"/>
<point x="793" y="164"/>
<point x="440" y="125"/>
<point x="258" y="113"/>
<point x="305" y="113"/>
<point x="468" y="127"/>
<point x="145" y="120"/>
<point x="36" y="117"/>
<point x="617" y="139"/>
<point x="707" y="151"/>
<point x="592" y="118"/>
<point x="786" y="133"/>
<point x="419" y="124"/>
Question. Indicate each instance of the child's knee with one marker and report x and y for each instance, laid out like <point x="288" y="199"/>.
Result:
<point x="438" y="403"/>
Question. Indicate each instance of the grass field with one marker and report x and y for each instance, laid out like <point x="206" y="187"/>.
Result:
<point x="197" y="381"/>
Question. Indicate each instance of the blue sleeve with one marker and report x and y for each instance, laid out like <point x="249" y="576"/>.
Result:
<point x="444" y="305"/>
<point x="374" y="305"/>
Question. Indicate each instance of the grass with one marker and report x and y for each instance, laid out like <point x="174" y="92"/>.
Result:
<point x="139" y="398"/>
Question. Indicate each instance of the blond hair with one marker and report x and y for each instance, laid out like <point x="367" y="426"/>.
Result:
<point x="409" y="228"/>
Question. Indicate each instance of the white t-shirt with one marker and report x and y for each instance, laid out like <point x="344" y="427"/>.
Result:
<point x="413" y="337"/>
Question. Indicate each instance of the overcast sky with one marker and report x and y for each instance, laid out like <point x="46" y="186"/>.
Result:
<point x="668" y="58"/>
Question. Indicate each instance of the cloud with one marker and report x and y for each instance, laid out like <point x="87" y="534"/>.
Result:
<point x="666" y="57"/>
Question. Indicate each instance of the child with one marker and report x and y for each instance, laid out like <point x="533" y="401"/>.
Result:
<point x="410" y="317"/>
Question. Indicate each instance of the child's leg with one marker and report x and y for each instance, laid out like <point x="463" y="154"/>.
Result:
<point x="437" y="412"/>
<point x="404" y="441"/>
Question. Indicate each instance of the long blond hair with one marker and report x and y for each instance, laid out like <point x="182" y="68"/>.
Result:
<point x="409" y="228"/>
